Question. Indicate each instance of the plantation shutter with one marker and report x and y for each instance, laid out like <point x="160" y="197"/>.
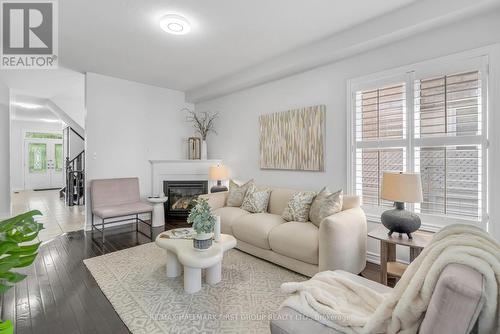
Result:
<point x="449" y="144"/>
<point x="380" y="126"/>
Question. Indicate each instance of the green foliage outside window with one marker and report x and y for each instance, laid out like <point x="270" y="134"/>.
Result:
<point x="42" y="135"/>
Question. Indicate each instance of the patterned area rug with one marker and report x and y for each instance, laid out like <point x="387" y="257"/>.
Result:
<point x="135" y="282"/>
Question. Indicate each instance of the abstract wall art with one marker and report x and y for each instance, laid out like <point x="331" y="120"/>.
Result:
<point x="293" y="139"/>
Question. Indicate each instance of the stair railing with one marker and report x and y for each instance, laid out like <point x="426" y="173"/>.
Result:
<point x="75" y="180"/>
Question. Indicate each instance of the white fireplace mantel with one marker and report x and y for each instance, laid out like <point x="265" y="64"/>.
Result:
<point x="179" y="170"/>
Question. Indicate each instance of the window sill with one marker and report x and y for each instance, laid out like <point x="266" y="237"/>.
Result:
<point x="428" y="227"/>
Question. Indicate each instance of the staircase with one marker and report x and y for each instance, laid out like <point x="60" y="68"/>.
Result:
<point x="74" y="189"/>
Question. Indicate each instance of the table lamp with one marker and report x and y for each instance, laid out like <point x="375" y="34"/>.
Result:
<point x="218" y="173"/>
<point x="401" y="188"/>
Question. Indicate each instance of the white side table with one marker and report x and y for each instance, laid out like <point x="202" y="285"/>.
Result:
<point x="181" y="254"/>
<point x="158" y="210"/>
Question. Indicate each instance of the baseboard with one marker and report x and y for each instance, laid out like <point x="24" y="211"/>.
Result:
<point x="373" y="257"/>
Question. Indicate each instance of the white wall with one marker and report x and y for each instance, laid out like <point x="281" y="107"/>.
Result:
<point x="4" y="151"/>
<point x="17" y="147"/>
<point x="238" y="142"/>
<point x="128" y="123"/>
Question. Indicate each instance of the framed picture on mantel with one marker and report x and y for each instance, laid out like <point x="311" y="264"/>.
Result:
<point x="293" y="139"/>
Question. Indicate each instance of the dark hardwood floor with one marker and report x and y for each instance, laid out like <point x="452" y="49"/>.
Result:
<point x="60" y="296"/>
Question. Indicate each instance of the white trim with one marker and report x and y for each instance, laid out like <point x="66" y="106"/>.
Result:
<point x="494" y="142"/>
<point x="373" y="257"/>
<point x="486" y="51"/>
<point x="479" y="59"/>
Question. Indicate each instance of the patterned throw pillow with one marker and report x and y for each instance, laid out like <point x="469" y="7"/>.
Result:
<point x="237" y="193"/>
<point x="298" y="207"/>
<point x="325" y="204"/>
<point x="256" y="201"/>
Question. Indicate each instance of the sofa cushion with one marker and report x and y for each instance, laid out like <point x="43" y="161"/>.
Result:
<point x="122" y="210"/>
<point x="254" y="229"/>
<point x="297" y="208"/>
<point x="256" y="201"/>
<point x="227" y="217"/>
<point x="325" y="204"/>
<point x="297" y="240"/>
<point x="237" y="192"/>
<point x="279" y="199"/>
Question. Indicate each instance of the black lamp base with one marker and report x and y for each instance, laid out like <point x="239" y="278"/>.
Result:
<point x="401" y="221"/>
<point x="218" y="188"/>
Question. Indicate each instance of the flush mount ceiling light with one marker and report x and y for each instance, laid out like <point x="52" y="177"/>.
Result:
<point x="175" y="24"/>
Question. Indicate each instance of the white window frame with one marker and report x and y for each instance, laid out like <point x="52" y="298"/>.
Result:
<point x="478" y="59"/>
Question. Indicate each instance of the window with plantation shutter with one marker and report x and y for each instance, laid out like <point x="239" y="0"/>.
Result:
<point x="450" y="106"/>
<point x="434" y="125"/>
<point x="380" y="119"/>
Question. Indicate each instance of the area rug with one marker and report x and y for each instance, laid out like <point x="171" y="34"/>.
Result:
<point x="134" y="281"/>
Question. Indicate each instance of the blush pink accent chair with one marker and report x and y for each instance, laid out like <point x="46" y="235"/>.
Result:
<point x="118" y="198"/>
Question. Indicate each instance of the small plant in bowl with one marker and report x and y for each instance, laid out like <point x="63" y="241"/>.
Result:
<point x="203" y="222"/>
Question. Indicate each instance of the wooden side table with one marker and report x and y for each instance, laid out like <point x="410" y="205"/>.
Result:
<point x="388" y="264"/>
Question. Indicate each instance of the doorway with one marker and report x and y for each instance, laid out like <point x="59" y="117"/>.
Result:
<point x="43" y="160"/>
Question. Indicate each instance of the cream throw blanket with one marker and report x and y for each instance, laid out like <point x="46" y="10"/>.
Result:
<point x="349" y="307"/>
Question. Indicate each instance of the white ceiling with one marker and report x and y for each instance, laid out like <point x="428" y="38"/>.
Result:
<point x="41" y="114"/>
<point x="122" y="38"/>
<point x="66" y="88"/>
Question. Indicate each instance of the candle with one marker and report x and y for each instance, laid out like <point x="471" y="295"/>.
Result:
<point x="217" y="228"/>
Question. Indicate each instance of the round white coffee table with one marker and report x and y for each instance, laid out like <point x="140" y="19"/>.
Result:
<point x="181" y="252"/>
<point x="158" y="210"/>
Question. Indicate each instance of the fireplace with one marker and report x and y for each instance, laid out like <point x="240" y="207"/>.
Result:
<point x="180" y="197"/>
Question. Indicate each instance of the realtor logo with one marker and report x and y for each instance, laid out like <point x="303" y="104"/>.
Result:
<point x="29" y="34"/>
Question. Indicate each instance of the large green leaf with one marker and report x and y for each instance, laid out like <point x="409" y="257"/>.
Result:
<point x="6" y="265"/>
<point x="7" y="246"/>
<point x="4" y="288"/>
<point x="18" y="229"/>
<point x="12" y="277"/>
<point x="24" y="250"/>
<point x="25" y="261"/>
<point x="11" y="222"/>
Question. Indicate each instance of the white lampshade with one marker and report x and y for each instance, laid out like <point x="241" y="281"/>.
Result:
<point x="401" y="187"/>
<point x="218" y="172"/>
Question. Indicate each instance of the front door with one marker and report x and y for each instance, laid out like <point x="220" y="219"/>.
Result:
<point x="43" y="163"/>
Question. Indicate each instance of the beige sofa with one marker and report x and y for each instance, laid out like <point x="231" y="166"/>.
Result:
<point x="339" y="242"/>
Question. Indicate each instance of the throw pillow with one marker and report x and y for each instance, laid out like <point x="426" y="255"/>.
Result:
<point x="255" y="200"/>
<point x="298" y="207"/>
<point x="325" y="204"/>
<point x="237" y="193"/>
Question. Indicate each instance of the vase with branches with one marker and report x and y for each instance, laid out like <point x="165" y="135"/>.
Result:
<point x="204" y="123"/>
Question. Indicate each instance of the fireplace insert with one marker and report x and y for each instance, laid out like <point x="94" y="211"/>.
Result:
<point x="180" y="197"/>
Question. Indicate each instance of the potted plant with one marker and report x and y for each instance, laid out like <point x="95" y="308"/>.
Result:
<point x="203" y="222"/>
<point x="203" y="122"/>
<point x="14" y="253"/>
